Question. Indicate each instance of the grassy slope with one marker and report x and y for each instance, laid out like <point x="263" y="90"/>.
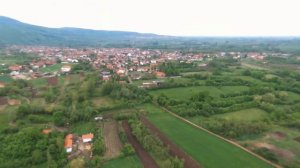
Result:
<point x="210" y="151"/>
<point x="124" y="162"/>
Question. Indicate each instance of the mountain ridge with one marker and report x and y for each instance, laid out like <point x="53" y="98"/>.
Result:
<point x="14" y="32"/>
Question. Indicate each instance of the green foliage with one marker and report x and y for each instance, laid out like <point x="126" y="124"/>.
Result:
<point x="81" y="67"/>
<point x="266" y="153"/>
<point x="200" y="145"/>
<point x="154" y="146"/>
<point x="29" y="147"/>
<point x="127" y="149"/>
<point x="235" y="128"/>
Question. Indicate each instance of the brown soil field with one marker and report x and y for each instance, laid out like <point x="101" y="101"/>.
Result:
<point x="14" y="102"/>
<point x="52" y="81"/>
<point x="297" y="139"/>
<point x="3" y="100"/>
<point x="174" y="150"/>
<point x="111" y="139"/>
<point x="146" y="159"/>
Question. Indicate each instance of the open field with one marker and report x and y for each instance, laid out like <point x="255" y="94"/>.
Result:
<point x="202" y="146"/>
<point x="124" y="162"/>
<point x="39" y="82"/>
<point x="103" y="102"/>
<point x="51" y="68"/>
<point x="184" y="93"/>
<point x="244" y="115"/>
<point x="83" y="128"/>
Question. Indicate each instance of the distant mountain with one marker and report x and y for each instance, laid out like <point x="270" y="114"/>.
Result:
<point x="16" y="32"/>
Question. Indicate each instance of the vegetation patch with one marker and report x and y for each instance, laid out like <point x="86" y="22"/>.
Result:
<point x="244" y="115"/>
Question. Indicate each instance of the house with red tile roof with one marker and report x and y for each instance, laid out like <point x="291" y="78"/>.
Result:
<point x="69" y="143"/>
<point x="15" y="67"/>
<point x="87" y="137"/>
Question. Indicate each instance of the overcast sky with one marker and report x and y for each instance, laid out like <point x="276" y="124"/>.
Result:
<point x="167" y="17"/>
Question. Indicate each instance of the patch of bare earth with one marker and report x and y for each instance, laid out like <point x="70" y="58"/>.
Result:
<point x="111" y="139"/>
<point x="283" y="153"/>
<point x="52" y="81"/>
<point x="278" y="135"/>
<point x="14" y="102"/>
<point x="3" y="100"/>
<point x="297" y="139"/>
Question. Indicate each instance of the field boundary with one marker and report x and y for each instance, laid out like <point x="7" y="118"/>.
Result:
<point x="173" y="149"/>
<point x="145" y="157"/>
<point x="218" y="136"/>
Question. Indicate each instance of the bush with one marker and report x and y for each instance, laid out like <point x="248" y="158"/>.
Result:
<point x="266" y="153"/>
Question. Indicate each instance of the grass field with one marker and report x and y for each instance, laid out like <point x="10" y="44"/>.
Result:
<point x="103" y="102"/>
<point x="124" y="162"/>
<point x="208" y="150"/>
<point x="6" y="78"/>
<point x="83" y="128"/>
<point x="51" y="68"/>
<point x="7" y="114"/>
<point x="39" y="82"/>
<point x="184" y="93"/>
<point x="252" y="114"/>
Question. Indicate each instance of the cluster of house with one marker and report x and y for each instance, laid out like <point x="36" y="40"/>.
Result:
<point x="72" y="141"/>
<point x="121" y="61"/>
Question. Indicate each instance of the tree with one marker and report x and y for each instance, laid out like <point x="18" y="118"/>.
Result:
<point x="37" y="157"/>
<point x="269" y="98"/>
<point x="58" y="118"/>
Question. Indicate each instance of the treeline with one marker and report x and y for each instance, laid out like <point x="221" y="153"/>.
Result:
<point x="30" y="148"/>
<point x="154" y="146"/>
<point x="234" y="128"/>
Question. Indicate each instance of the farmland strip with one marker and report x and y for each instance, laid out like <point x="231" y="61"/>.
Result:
<point x="146" y="159"/>
<point x="174" y="150"/>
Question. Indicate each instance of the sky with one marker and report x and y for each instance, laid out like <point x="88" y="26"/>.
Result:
<point x="165" y="17"/>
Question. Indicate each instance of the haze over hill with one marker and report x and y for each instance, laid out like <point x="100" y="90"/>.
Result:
<point x="16" y="32"/>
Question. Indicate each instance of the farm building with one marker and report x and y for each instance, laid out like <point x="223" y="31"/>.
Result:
<point x="69" y="143"/>
<point x="87" y="137"/>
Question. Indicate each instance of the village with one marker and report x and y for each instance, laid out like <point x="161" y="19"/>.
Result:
<point x="132" y="62"/>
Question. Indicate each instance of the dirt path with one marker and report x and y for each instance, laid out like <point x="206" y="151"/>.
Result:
<point x="111" y="139"/>
<point x="174" y="150"/>
<point x="146" y="159"/>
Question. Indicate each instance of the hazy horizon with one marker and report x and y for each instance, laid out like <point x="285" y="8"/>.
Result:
<point x="190" y="18"/>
